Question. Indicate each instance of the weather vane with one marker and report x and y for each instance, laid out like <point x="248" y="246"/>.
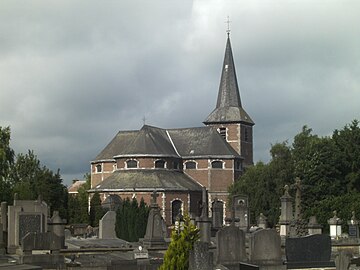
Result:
<point x="228" y="25"/>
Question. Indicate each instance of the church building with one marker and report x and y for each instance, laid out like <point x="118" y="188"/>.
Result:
<point x="178" y="163"/>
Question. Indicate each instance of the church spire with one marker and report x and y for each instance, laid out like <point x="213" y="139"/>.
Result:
<point x="228" y="106"/>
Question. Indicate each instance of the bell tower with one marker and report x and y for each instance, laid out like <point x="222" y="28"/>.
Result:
<point x="229" y="117"/>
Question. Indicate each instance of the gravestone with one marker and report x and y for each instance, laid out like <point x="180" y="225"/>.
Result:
<point x="353" y="224"/>
<point x="67" y="234"/>
<point x="154" y="236"/>
<point x="42" y="241"/>
<point x="343" y="260"/>
<point x="25" y="216"/>
<point x="217" y="214"/>
<point x="200" y="258"/>
<point x="57" y="225"/>
<point x="308" y="251"/>
<point x="262" y="221"/>
<point x="230" y="241"/>
<point x="204" y="222"/>
<point x="313" y="226"/>
<point x="107" y="225"/>
<point x="241" y="204"/>
<point x="286" y="212"/>
<point x="265" y="249"/>
<point x="335" y="226"/>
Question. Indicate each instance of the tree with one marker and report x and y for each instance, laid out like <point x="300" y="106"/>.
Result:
<point x="78" y="204"/>
<point x="96" y="211"/>
<point x="30" y="179"/>
<point x="131" y="220"/>
<point x="177" y="255"/>
<point x="6" y="160"/>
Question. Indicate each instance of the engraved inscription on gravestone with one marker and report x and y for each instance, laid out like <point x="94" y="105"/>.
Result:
<point x="353" y="231"/>
<point x="28" y="223"/>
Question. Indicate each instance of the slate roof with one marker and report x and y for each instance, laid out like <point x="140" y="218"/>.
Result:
<point x="148" y="180"/>
<point x="228" y="106"/>
<point x="120" y="141"/>
<point x="154" y="141"/>
<point x="201" y="142"/>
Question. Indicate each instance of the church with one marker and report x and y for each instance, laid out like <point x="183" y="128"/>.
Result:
<point x="178" y="163"/>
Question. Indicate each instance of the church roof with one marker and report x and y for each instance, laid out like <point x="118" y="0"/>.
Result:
<point x="148" y="180"/>
<point x="228" y="106"/>
<point x="200" y="142"/>
<point x="154" y="141"/>
<point x="150" y="141"/>
<point x="120" y="141"/>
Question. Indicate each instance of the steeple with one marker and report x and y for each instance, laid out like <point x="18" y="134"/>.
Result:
<point x="228" y="107"/>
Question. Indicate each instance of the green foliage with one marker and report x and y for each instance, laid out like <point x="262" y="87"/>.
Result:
<point x="6" y="160"/>
<point x="177" y="254"/>
<point x="96" y="211"/>
<point x="329" y="168"/>
<point x="78" y="204"/>
<point x="131" y="220"/>
<point x="29" y="180"/>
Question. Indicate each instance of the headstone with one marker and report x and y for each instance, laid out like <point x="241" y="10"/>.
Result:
<point x="313" y="226"/>
<point x="230" y="242"/>
<point x="217" y="214"/>
<point x="154" y="236"/>
<point x="200" y="258"/>
<point x="343" y="260"/>
<point x="67" y="234"/>
<point x="24" y="217"/>
<point x="262" y="221"/>
<point x="265" y="249"/>
<point x="286" y="212"/>
<point x="57" y="226"/>
<point x="308" y="251"/>
<point x="204" y="222"/>
<point x="42" y="241"/>
<point x="335" y="226"/>
<point x="2" y="244"/>
<point x="241" y="204"/>
<point x="107" y="225"/>
<point x="353" y="224"/>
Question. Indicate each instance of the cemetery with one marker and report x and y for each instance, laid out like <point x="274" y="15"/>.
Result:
<point x="32" y="239"/>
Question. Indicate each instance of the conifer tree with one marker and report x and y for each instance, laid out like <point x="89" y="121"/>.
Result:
<point x="177" y="254"/>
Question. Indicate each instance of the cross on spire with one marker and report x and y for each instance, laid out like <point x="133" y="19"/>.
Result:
<point x="228" y="25"/>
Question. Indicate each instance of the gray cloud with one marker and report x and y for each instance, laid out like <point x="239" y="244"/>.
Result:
<point x="72" y="73"/>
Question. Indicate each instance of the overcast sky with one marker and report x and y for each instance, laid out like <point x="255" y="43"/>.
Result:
<point x="74" y="73"/>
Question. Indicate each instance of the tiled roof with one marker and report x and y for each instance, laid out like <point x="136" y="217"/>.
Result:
<point x="75" y="186"/>
<point x="153" y="141"/>
<point x="148" y="180"/>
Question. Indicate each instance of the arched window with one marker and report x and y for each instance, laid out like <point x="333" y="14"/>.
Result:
<point x="217" y="164"/>
<point x="190" y="165"/>
<point x="98" y="168"/>
<point x="175" y="210"/>
<point x="160" y="163"/>
<point x="131" y="163"/>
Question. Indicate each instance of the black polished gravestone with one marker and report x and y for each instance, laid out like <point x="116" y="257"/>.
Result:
<point x="308" y="251"/>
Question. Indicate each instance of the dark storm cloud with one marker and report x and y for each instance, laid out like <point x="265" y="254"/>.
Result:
<point x="72" y="73"/>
